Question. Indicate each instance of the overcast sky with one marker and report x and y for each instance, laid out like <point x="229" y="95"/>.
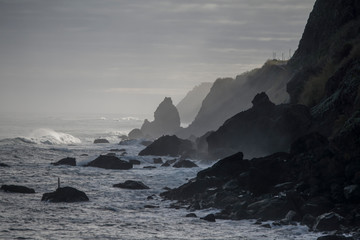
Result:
<point x="125" y="56"/>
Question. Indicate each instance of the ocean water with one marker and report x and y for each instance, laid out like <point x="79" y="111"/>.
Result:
<point x="29" y="144"/>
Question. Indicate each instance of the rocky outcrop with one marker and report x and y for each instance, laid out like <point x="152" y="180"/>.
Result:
<point x="66" y="161"/>
<point x="264" y="129"/>
<point x="101" y="140"/>
<point x="17" y="189"/>
<point x="109" y="162"/>
<point x="169" y="146"/>
<point x="228" y="96"/>
<point x="190" y="105"/>
<point x="65" y="194"/>
<point x="130" y="184"/>
<point x="308" y="184"/>
<point x="166" y="120"/>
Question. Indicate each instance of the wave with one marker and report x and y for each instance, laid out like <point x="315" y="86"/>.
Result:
<point x="50" y="137"/>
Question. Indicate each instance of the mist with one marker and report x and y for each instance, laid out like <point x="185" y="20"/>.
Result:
<point x="124" y="57"/>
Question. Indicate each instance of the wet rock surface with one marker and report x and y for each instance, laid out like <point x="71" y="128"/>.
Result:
<point x="65" y="194"/>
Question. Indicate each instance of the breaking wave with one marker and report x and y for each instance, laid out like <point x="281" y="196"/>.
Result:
<point x="50" y="137"/>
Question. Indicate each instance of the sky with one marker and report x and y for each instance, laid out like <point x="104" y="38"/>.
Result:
<point x="125" y="56"/>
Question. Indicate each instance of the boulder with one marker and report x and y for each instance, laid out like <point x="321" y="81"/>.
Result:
<point x="158" y="161"/>
<point x="66" y="161"/>
<point x="168" y="146"/>
<point x="101" y="140"/>
<point x="130" y="184"/>
<point x="184" y="164"/>
<point x="135" y="134"/>
<point x="191" y="215"/>
<point x="166" y="120"/>
<point x="4" y="165"/>
<point x="65" y="194"/>
<point x="134" y="162"/>
<point x="328" y="222"/>
<point x="17" y="189"/>
<point x="109" y="162"/>
<point x="168" y="163"/>
<point x="209" y="218"/>
<point x="334" y="237"/>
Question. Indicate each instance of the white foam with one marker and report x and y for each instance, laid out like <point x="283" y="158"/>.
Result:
<point x="51" y="137"/>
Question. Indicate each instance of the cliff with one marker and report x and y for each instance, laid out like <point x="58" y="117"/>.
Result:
<point x="190" y="105"/>
<point x="228" y="96"/>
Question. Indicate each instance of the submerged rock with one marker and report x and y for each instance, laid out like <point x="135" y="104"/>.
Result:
<point x="134" y="162"/>
<point x="109" y="162"/>
<point x="328" y="222"/>
<point x="209" y="218"/>
<point x="65" y="194"/>
<point x="17" y="189"/>
<point x="101" y="140"/>
<point x="130" y="184"/>
<point x="4" y="165"/>
<point x="66" y="161"/>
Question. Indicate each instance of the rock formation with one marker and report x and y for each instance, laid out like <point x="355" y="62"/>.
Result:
<point x="166" y="120"/>
<point x="109" y="162"/>
<point x="66" y="161"/>
<point x="168" y="146"/>
<point x="65" y="194"/>
<point x="17" y="189"/>
<point x="101" y="140"/>
<point x="264" y="129"/>
<point x="130" y="184"/>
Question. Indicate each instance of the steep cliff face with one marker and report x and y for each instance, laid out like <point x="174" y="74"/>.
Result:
<point x="190" y="105"/>
<point x="166" y="120"/>
<point x="229" y="96"/>
<point x="327" y="64"/>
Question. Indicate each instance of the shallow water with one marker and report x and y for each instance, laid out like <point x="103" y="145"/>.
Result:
<point x="111" y="213"/>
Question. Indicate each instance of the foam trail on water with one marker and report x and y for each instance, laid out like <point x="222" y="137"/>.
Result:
<point x="49" y="136"/>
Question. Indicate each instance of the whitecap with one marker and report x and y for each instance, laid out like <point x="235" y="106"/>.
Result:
<point x="51" y="137"/>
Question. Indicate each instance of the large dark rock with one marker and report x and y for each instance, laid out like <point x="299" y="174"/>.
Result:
<point x="328" y="222"/>
<point x="17" y="189"/>
<point x="109" y="162"/>
<point x="65" y="194"/>
<point x="209" y="218"/>
<point x="166" y="120"/>
<point x="261" y="130"/>
<point x="168" y="146"/>
<point x="130" y="184"/>
<point x="101" y="140"/>
<point x="66" y="161"/>
<point x="184" y="164"/>
<point x="4" y="165"/>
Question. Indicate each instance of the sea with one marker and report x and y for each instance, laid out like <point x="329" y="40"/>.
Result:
<point x="30" y="143"/>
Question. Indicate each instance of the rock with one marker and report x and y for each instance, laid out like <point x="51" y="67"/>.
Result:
<point x="168" y="163"/>
<point x="191" y="215"/>
<point x="158" y="160"/>
<point x="149" y="167"/>
<point x="328" y="222"/>
<point x="17" y="189"/>
<point x="146" y="143"/>
<point x="308" y="220"/>
<point x="267" y="225"/>
<point x="151" y="206"/>
<point x="168" y="146"/>
<point x="118" y="150"/>
<point x="66" y="161"/>
<point x="166" y="120"/>
<point x="129" y="184"/>
<point x="109" y="162"/>
<point x="262" y="130"/>
<point x="334" y="237"/>
<point x="65" y="194"/>
<point x="184" y="164"/>
<point x="134" y="162"/>
<point x="313" y="142"/>
<point x="111" y="154"/>
<point x="101" y="140"/>
<point x="209" y="218"/>
<point x="135" y="134"/>
<point x="4" y="165"/>
<point x="352" y="193"/>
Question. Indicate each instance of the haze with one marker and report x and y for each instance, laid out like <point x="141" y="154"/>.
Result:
<point x="125" y="56"/>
